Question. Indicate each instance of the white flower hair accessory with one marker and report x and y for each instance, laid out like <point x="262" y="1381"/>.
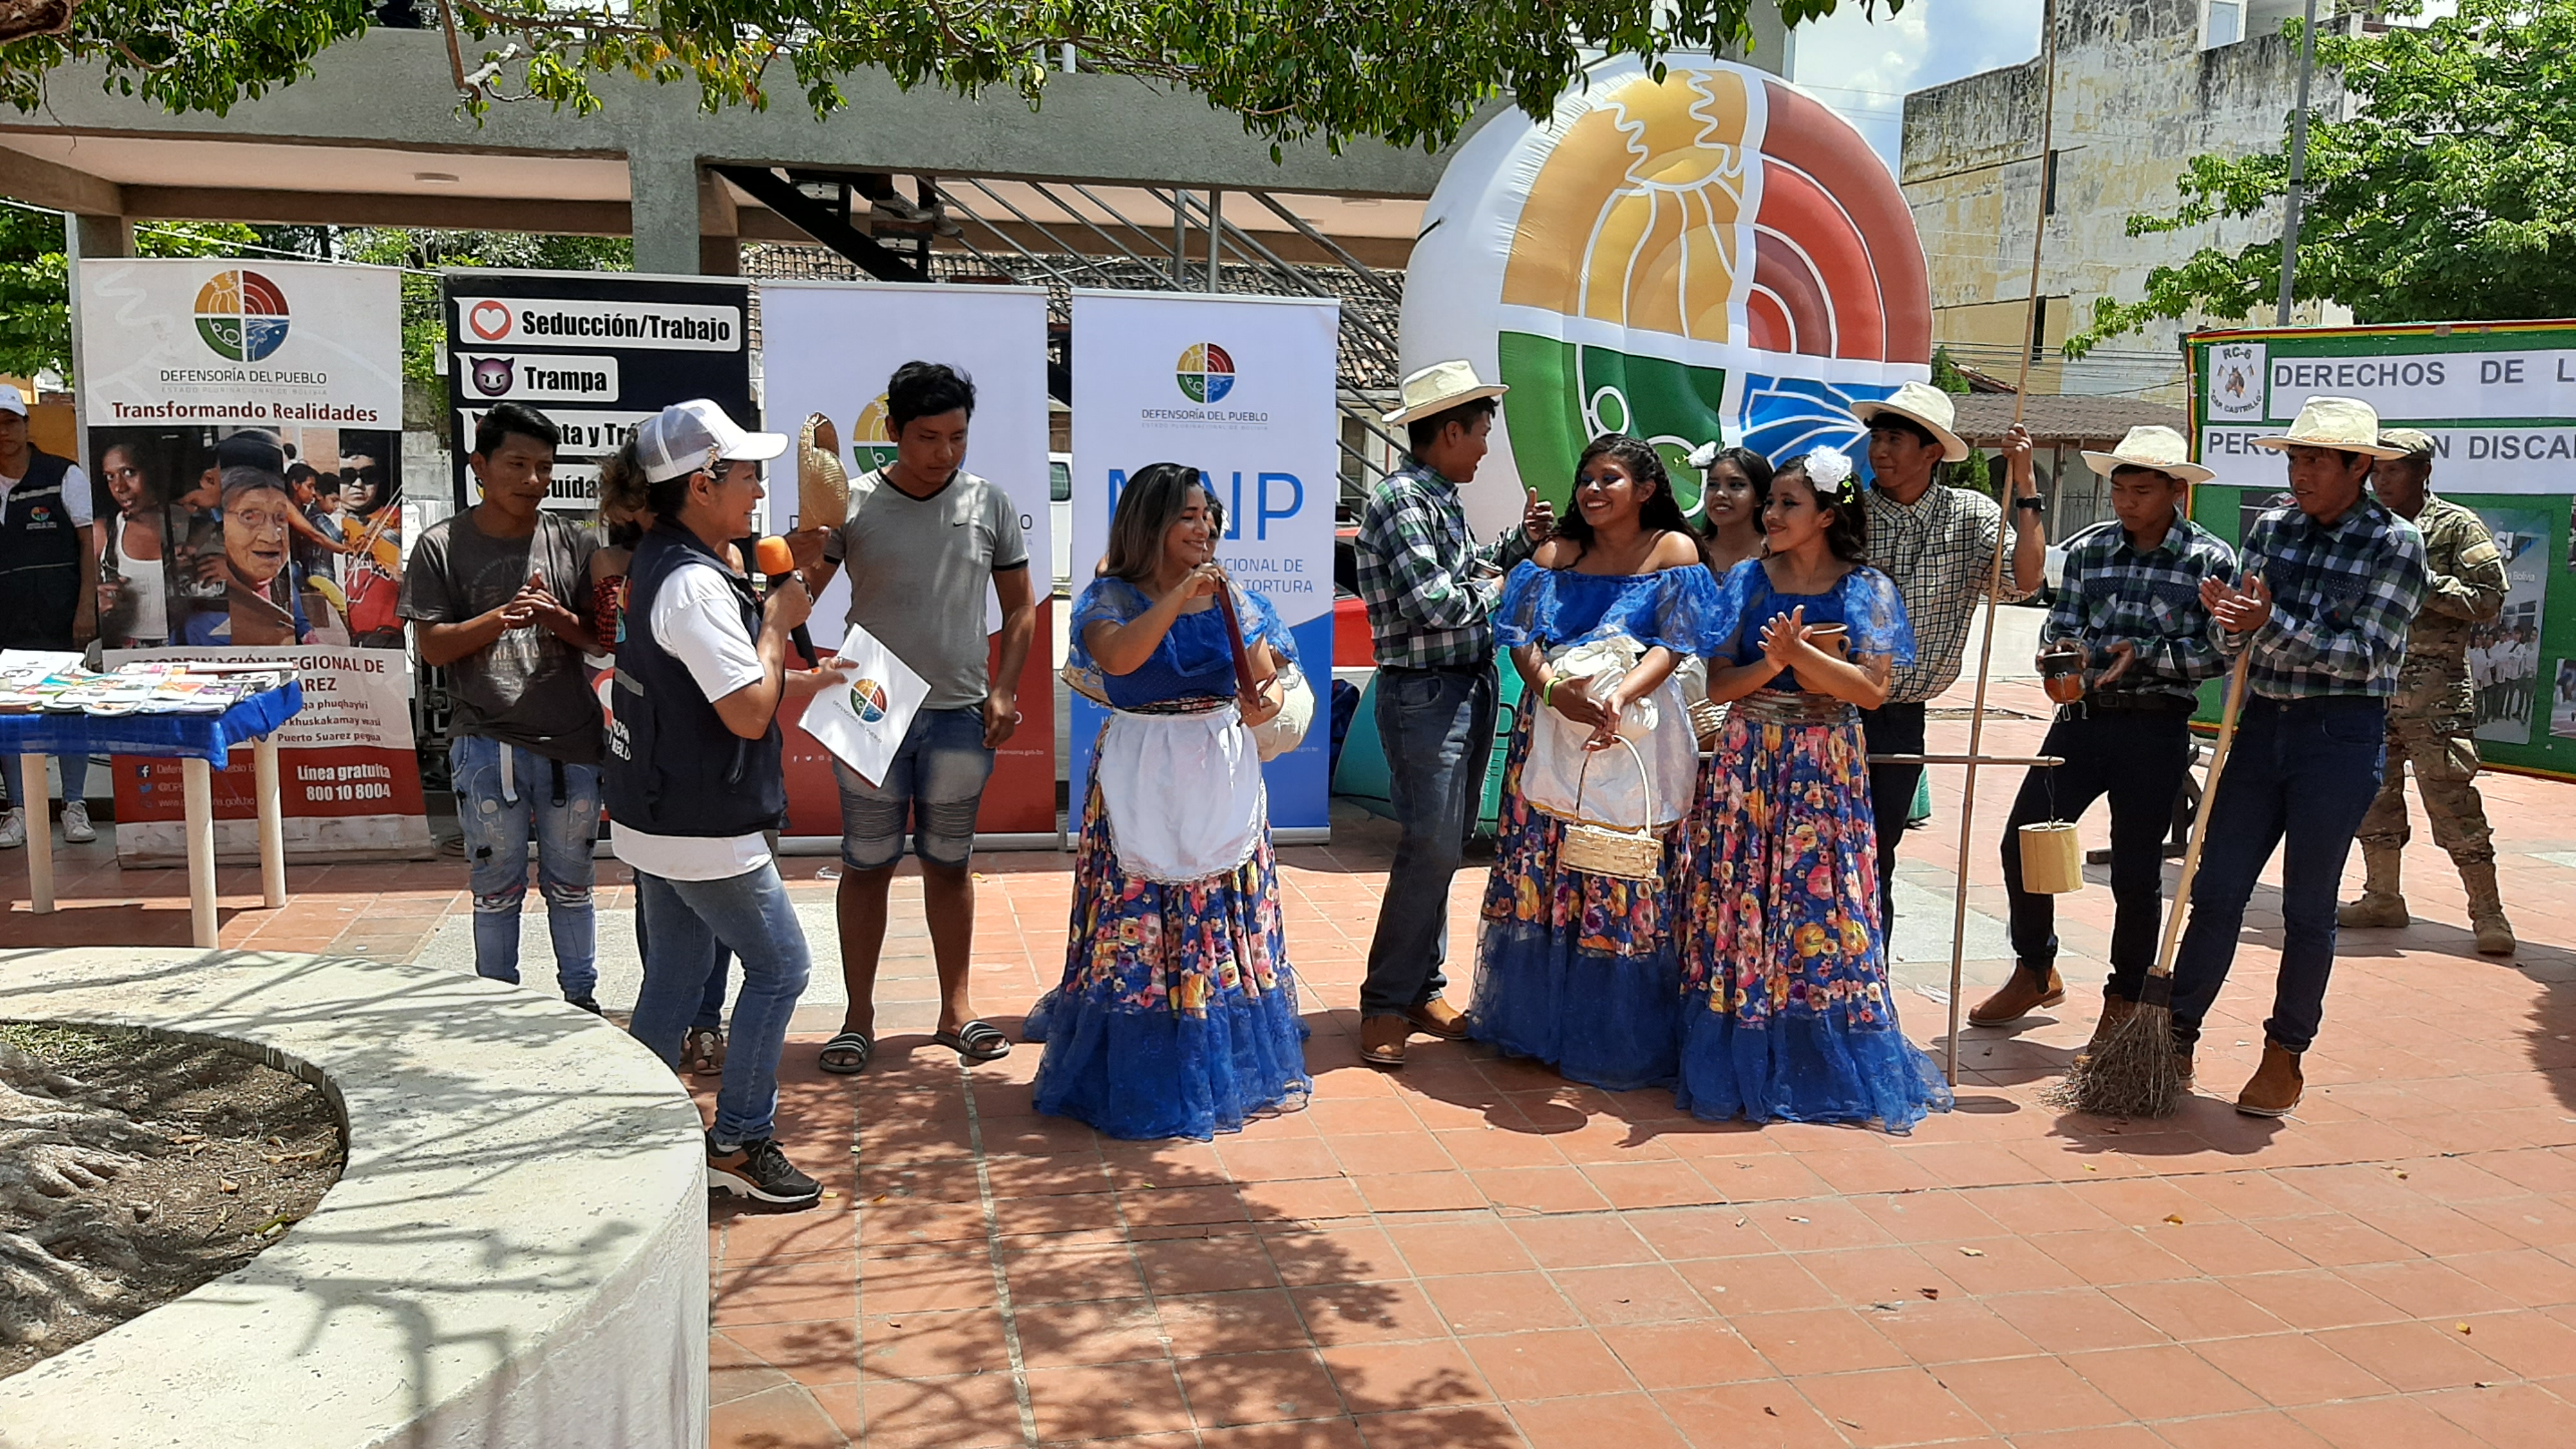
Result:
<point x="1704" y="454"/>
<point x="1830" y="469"/>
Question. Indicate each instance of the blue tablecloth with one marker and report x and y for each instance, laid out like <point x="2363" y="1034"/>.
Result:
<point x="169" y="736"/>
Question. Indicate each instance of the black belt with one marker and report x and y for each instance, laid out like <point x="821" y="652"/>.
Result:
<point x="1473" y="671"/>
<point x="2140" y="703"/>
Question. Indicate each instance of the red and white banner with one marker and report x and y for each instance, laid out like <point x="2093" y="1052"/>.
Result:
<point x="347" y="772"/>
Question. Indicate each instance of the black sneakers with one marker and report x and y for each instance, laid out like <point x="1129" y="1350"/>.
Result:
<point x="586" y="1003"/>
<point x="759" y="1171"/>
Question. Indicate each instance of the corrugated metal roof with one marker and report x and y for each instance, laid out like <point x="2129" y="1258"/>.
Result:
<point x="2063" y="417"/>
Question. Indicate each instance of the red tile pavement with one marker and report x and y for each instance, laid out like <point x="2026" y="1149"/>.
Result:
<point x="1475" y="1253"/>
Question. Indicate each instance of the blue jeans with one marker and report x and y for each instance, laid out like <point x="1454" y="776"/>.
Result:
<point x="2302" y="771"/>
<point x="1437" y="728"/>
<point x="2138" y="757"/>
<point x="75" y="770"/>
<point x="935" y="785"/>
<point x="711" y="1005"/>
<point x="495" y="815"/>
<point x="689" y="921"/>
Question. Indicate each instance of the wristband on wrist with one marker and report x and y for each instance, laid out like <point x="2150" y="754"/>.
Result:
<point x="1547" y="692"/>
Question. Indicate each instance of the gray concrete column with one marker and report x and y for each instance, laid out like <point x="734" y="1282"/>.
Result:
<point x="89" y="238"/>
<point x="662" y="184"/>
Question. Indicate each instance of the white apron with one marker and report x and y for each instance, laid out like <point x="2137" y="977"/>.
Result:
<point x="1183" y="793"/>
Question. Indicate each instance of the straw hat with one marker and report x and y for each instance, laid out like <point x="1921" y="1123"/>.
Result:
<point x="2161" y="449"/>
<point x="1438" y="388"/>
<point x="1923" y="403"/>
<point x="2345" y="423"/>
<point x="2409" y="442"/>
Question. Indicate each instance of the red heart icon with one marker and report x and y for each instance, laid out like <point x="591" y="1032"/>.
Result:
<point x="490" y="320"/>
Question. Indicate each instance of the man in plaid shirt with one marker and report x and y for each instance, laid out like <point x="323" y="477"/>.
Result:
<point x="2129" y="601"/>
<point x="2331" y="586"/>
<point x="1938" y="543"/>
<point x="1430" y="591"/>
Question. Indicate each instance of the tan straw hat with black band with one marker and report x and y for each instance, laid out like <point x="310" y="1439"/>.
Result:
<point x="1921" y="402"/>
<point x="2157" y="449"/>
<point x="1438" y="388"/>
<point x="2346" y="424"/>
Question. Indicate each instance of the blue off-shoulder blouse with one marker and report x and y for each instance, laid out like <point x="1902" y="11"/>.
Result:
<point x="1679" y="609"/>
<point x="1864" y="602"/>
<point x="1194" y="661"/>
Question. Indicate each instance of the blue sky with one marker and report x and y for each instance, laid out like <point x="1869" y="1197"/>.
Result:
<point x="1864" y="67"/>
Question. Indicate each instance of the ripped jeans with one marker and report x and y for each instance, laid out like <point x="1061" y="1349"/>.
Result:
<point x="500" y="790"/>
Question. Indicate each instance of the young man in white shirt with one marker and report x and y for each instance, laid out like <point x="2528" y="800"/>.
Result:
<point x="694" y="778"/>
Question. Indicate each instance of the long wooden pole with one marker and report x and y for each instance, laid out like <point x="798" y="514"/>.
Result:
<point x="2003" y="533"/>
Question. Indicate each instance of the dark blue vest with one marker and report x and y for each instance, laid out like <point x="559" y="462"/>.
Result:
<point x="40" y="551"/>
<point x="673" y="766"/>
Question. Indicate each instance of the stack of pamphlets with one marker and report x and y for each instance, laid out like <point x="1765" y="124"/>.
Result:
<point x="36" y="681"/>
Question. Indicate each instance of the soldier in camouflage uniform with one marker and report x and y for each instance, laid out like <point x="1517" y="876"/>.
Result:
<point x="2431" y="720"/>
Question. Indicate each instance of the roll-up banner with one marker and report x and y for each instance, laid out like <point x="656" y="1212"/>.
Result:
<point x="244" y="437"/>
<point x="1240" y="388"/>
<point x="829" y="348"/>
<point x="596" y="352"/>
<point x="2499" y="399"/>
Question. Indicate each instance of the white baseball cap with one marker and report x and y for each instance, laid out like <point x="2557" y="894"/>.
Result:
<point x="687" y="437"/>
<point x="12" y="400"/>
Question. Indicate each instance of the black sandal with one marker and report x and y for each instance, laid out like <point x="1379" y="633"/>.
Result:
<point x="976" y="1041"/>
<point x="854" y="1049"/>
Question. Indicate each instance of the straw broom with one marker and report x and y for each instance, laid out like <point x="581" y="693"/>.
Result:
<point x="2132" y="1074"/>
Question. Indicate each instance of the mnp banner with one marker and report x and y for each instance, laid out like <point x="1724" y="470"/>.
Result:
<point x="829" y="348"/>
<point x="244" y="435"/>
<point x="2499" y="399"/>
<point x="1240" y="388"/>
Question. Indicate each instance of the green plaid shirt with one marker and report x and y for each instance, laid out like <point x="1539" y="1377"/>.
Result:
<point x="2109" y="591"/>
<point x="2343" y="596"/>
<point x="1430" y="589"/>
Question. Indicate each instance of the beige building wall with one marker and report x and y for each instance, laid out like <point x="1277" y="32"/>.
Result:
<point x="2137" y="96"/>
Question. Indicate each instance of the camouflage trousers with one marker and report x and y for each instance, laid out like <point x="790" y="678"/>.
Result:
<point x="2445" y="761"/>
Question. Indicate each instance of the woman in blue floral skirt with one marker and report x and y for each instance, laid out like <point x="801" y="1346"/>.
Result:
<point x="1576" y="969"/>
<point x="1177" y="1015"/>
<point x="1786" y="1012"/>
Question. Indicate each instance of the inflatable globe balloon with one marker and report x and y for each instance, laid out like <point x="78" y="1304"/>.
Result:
<point x="1710" y="256"/>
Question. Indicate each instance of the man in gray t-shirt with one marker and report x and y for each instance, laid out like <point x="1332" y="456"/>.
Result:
<point x="923" y="541"/>
<point x="485" y="592"/>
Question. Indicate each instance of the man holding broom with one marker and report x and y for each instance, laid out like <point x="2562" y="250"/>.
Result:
<point x="2330" y="587"/>
<point x="2130" y="602"/>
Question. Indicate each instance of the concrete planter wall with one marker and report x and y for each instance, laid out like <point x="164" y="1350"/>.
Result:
<point x="516" y="1254"/>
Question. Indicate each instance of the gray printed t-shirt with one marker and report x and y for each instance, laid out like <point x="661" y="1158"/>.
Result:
<point x="526" y="687"/>
<point x="918" y="568"/>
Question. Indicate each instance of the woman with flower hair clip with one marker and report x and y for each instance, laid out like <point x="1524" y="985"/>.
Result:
<point x="1786" y="1013"/>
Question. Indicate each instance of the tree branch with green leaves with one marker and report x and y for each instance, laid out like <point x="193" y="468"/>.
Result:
<point x="1408" y="72"/>
<point x="2449" y="192"/>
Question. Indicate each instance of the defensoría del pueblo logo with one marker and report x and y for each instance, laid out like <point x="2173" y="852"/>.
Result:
<point x="1204" y="372"/>
<point x="868" y="701"/>
<point x="242" y="315"/>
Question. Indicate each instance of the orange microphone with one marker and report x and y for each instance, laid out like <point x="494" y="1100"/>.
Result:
<point x="772" y="557"/>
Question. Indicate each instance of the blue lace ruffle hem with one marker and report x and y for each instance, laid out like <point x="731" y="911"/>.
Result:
<point x="1802" y="1068"/>
<point x="1149" y="1075"/>
<point x="1604" y="1020"/>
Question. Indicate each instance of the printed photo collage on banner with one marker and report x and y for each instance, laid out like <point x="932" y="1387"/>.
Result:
<point x="2499" y="400"/>
<point x="243" y="434"/>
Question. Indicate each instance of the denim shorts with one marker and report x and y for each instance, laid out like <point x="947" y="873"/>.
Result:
<point x="935" y="785"/>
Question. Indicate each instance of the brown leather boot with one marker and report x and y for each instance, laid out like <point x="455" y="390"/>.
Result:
<point x="2020" y="996"/>
<point x="2381" y="907"/>
<point x="2116" y="1011"/>
<point x="1382" y="1040"/>
<point x="2486" y="909"/>
<point x="1437" y="1017"/>
<point x="2277" y="1084"/>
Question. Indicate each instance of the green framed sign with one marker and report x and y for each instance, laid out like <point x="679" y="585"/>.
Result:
<point x="2499" y="399"/>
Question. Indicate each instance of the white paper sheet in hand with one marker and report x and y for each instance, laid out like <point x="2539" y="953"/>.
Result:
<point x="862" y="718"/>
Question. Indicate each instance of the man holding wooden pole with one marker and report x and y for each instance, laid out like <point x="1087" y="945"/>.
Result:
<point x="2329" y="589"/>
<point x="1938" y="544"/>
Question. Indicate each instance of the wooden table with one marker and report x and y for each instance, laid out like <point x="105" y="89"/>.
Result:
<point x="200" y="742"/>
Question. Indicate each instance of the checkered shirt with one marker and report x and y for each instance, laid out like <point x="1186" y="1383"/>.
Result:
<point x="1429" y="587"/>
<point x="2343" y="595"/>
<point x="2110" y="592"/>
<point x="1938" y="551"/>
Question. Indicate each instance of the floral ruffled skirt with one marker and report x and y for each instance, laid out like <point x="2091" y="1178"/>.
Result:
<point x="1787" y="1015"/>
<point x="1177" y="1015"/>
<point x="1576" y="970"/>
